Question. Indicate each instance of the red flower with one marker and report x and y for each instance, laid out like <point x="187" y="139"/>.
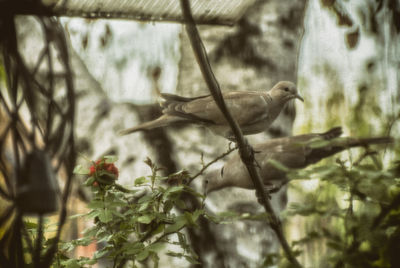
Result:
<point x="101" y="165"/>
<point x="92" y="170"/>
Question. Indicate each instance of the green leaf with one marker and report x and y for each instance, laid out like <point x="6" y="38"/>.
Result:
<point x="71" y="263"/>
<point x="77" y="216"/>
<point x="84" y="241"/>
<point x="174" y="254"/>
<point x="143" y="207"/>
<point x="191" y="191"/>
<point x="140" y="181"/>
<point x="180" y="203"/>
<point x="101" y="232"/>
<point x="93" y="214"/>
<point x="197" y="213"/>
<point x="89" y="181"/>
<point x="100" y="253"/>
<point x="110" y="159"/>
<point x="278" y="165"/>
<point x="117" y="213"/>
<point x="179" y="223"/>
<point x="87" y="261"/>
<point x="189" y="218"/>
<point x="173" y="192"/>
<point x="168" y="205"/>
<point x="155" y="259"/>
<point x="156" y="247"/>
<point x="174" y="189"/>
<point x="90" y="231"/>
<point x="142" y="255"/>
<point x="105" y="178"/>
<point x="105" y="238"/>
<point x="182" y="242"/>
<point x="145" y="198"/>
<point x="191" y="259"/>
<point x="133" y="248"/>
<point x="105" y="215"/>
<point x="68" y="246"/>
<point x="159" y="229"/>
<point x="146" y="219"/>
<point x="80" y="170"/>
<point x="180" y="255"/>
<point x="228" y="214"/>
<point x="96" y="204"/>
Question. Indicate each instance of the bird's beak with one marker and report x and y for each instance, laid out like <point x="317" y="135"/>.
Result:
<point x="297" y="96"/>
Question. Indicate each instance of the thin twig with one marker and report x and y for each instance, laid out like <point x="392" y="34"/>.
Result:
<point x="158" y="239"/>
<point x="385" y="210"/>
<point x="210" y="163"/>
<point x="245" y="150"/>
<point x="363" y="156"/>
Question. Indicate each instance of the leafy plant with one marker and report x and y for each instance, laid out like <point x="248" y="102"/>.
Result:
<point x="134" y="225"/>
<point x="354" y="214"/>
<point x="353" y="217"/>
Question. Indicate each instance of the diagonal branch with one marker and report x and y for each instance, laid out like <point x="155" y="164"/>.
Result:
<point x="245" y="150"/>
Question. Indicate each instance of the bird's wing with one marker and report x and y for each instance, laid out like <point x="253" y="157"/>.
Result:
<point x="291" y="155"/>
<point x="176" y="98"/>
<point x="245" y="107"/>
<point x="300" y="140"/>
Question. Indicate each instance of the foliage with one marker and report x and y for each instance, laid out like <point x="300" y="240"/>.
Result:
<point x="133" y="225"/>
<point x="353" y="217"/>
<point x="354" y="214"/>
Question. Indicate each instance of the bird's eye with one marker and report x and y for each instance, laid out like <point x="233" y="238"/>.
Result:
<point x="286" y="89"/>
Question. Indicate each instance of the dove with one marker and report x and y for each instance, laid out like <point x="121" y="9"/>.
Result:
<point x="294" y="152"/>
<point x="254" y="111"/>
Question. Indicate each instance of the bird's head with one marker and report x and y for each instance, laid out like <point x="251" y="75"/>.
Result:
<point x="285" y="91"/>
<point x="213" y="181"/>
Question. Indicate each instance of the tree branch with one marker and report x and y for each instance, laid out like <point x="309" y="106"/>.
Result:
<point x="245" y="150"/>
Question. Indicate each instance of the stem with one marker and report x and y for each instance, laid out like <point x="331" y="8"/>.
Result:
<point x="109" y="227"/>
<point x="210" y="163"/>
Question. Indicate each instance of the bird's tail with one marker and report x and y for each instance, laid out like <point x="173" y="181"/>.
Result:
<point x="353" y="142"/>
<point x="174" y="105"/>
<point x="159" y="122"/>
<point x="340" y="144"/>
<point x="332" y="133"/>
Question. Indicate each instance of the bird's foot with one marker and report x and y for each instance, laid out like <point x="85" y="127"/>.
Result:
<point x="232" y="139"/>
<point x="272" y="189"/>
<point x="268" y="189"/>
<point x="259" y="199"/>
<point x="257" y="164"/>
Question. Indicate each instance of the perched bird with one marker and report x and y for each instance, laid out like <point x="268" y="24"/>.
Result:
<point x="253" y="110"/>
<point x="293" y="152"/>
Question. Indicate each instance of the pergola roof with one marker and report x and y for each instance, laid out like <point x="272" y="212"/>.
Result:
<point x="224" y="12"/>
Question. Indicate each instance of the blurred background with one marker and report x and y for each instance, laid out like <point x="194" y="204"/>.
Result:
<point x="344" y="57"/>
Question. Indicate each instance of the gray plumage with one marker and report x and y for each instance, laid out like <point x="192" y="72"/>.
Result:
<point x="294" y="152"/>
<point x="253" y="110"/>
